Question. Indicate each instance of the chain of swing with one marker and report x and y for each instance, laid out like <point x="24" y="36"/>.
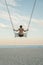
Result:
<point x="11" y="18"/>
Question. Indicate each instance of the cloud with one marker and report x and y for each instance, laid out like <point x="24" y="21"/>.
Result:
<point x="38" y="21"/>
<point x="2" y="25"/>
<point x="32" y="29"/>
<point x="1" y="5"/>
<point x="4" y="15"/>
<point x="18" y="19"/>
<point x="11" y="3"/>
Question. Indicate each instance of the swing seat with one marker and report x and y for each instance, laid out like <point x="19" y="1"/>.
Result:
<point x="24" y="35"/>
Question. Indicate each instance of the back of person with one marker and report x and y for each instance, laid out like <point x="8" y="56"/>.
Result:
<point x="21" y="34"/>
<point x="21" y="30"/>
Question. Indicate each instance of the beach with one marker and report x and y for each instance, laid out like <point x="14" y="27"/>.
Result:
<point x="21" y="56"/>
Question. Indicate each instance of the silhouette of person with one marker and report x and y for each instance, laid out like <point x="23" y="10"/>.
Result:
<point x="21" y="31"/>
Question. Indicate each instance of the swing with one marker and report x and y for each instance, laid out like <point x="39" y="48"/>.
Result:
<point x="16" y="33"/>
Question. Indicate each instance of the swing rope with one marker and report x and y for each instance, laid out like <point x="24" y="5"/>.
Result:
<point x="9" y="16"/>
<point x="31" y="14"/>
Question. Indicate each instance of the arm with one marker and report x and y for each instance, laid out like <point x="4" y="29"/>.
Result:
<point x="25" y="30"/>
<point x="15" y="30"/>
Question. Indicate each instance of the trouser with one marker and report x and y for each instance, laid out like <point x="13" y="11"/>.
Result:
<point x="21" y="35"/>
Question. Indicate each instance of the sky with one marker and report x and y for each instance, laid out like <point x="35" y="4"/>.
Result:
<point x="20" y="12"/>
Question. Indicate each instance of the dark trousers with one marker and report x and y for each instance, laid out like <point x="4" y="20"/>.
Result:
<point x="21" y="35"/>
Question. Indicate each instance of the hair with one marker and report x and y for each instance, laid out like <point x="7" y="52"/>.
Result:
<point x="20" y="26"/>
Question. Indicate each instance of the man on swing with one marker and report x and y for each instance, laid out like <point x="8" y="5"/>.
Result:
<point x="21" y="31"/>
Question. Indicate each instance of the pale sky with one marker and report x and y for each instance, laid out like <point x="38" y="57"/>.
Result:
<point x="20" y="11"/>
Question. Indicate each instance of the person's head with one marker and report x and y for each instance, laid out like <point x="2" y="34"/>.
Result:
<point x="20" y="26"/>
